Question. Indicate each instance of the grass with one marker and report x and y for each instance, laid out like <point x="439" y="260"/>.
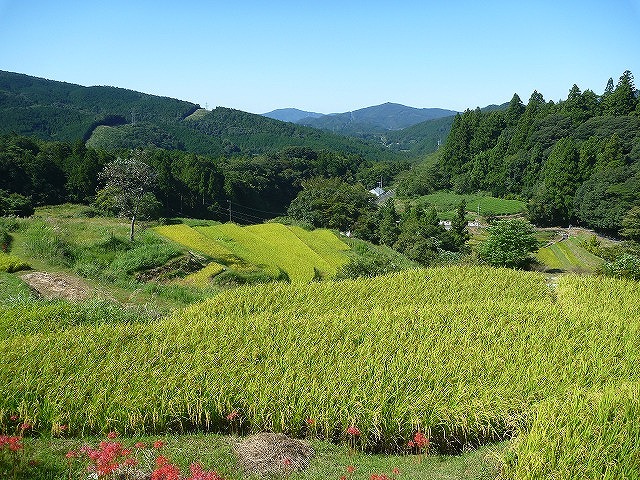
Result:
<point x="214" y="453"/>
<point x="447" y="202"/>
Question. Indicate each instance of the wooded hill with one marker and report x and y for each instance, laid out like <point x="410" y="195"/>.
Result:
<point x="113" y="118"/>
<point x="575" y="161"/>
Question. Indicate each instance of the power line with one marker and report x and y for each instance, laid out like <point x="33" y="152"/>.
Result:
<point x="258" y="210"/>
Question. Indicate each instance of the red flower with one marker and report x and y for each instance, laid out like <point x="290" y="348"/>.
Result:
<point x="158" y="444"/>
<point x="353" y="431"/>
<point x="131" y="461"/>
<point x="140" y="445"/>
<point x="286" y="461"/>
<point x="421" y="440"/>
<point x="343" y="477"/>
<point x="233" y="415"/>
<point x="396" y="471"/>
<point x="161" y="460"/>
<point x="71" y="454"/>
<point x="410" y="444"/>
<point x="13" y="418"/>
<point x="310" y="421"/>
<point x="25" y="426"/>
<point x="351" y="469"/>
<point x="112" y="435"/>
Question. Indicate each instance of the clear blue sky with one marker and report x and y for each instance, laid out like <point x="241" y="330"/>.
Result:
<point x="326" y="56"/>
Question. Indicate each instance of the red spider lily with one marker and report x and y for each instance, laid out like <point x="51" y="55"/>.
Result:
<point x="140" y="445"/>
<point x="71" y="454"/>
<point x="166" y="471"/>
<point x="161" y="460"/>
<point x="197" y="473"/>
<point x="420" y="440"/>
<point x="379" y="476"/>
<point x="310" y="421"/>
<point x="158" y="444"/>
<point x="13" y="418"/>
<point x="13" y="443"/>
<point x="131" y="461"/>
<point x="343" y="477"/>
<point x="233" y="415"/>
<point x="25" y="426"/>
<point x="351" y="469"/>
<point x="112" y="435"/>
<point x="353" y="431"/>
<point x="64" y="428"/>
<point x="410" y="444"/>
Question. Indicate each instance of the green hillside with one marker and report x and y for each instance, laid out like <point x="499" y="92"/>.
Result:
<point x="114" y="118"/>
<point x="467" y="355"/>
<point x="54" y="110"/>
<point x="303" y="255"/>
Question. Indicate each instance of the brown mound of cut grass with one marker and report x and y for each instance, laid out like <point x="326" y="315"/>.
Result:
<point x="272" y="453"/>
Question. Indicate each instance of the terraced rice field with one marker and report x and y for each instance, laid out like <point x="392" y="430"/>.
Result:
<point x="568" y="256"/>
<point x="302" y="255"/>
<point x="467" y="355"/>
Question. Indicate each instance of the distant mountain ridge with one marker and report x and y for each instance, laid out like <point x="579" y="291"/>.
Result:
<point x="115" y="118"/>
<point x="375" y="119"/>
<point x="291" y="114"/>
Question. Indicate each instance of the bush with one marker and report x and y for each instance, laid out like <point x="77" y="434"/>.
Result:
<point x="625" y="266"/>
<point x="11" y="263"/>
<point x="14" y="204"/>
<point x="509" y="244"/>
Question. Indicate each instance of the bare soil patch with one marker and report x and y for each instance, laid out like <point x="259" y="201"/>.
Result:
<point x="58" y="285"/>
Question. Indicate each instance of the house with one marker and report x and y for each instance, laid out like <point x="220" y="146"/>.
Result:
<point x="377" y="191"/>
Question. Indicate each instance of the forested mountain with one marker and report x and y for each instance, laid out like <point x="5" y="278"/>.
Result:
<point x="291" y="114"/>
<point x="112" y="118"/>
<point x="375" y="120"/>
<point x="54" y="110"/>
<point x="576" y="161"/>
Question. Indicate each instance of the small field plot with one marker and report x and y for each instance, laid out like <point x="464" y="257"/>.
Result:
<point x="446" y="203"/>
<point x="568" y="255"/>
<point x="275" y="245"/>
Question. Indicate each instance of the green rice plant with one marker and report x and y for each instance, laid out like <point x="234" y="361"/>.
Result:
<point x="11" y="263"/>
<point x="191" y="238"/>
<point x="203" y="277"/>
<point x="582" y="434"/>
<point x="464" y="354"/>
<point x="446" y="201"/>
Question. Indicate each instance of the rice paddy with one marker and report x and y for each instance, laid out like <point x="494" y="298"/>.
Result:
<point x="468" y="355"/>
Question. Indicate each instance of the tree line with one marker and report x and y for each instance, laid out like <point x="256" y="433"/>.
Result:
<point x="36" y="172"/>
<point x="575" y="161"/>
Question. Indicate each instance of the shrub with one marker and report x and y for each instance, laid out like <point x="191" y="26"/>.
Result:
<point x="625" y="266"/>
<point x="509" y="244"/>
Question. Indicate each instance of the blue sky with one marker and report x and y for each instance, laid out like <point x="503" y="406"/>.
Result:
<point x="326" y="56"/>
